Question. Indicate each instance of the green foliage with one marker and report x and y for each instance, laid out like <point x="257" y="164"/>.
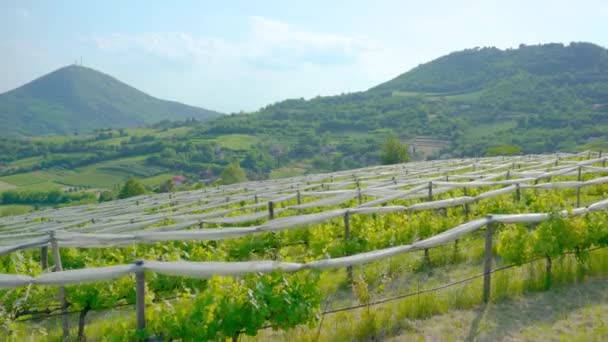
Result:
<point x="167" y="186"/>
<point x="45" y="197"/>
<point x="393" y="151"/>
<point x="131" y="188"/>
<point x="503" y="150"/>
<point x="233" y="173"/>
<point x="229" y="307"/>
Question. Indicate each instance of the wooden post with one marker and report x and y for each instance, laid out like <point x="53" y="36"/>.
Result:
<point x="427" y="258"/>
<point x="299" y="197"/>
<point x="508" y="174"/>
<point x="578" y="188"/>
<point x="140" y="296"/>
<point x="44" y="257"/>
<point x="517" y="192"/>
<point x="270" y="210"/>
<point x="465" y="191"/>
<point x="62" y="300"/>
<point x="430" y="190"/>
<point x="349" y="269"/>
<point x="487" y="265"/>
<point x="255" y="198"/>
<point x="359" y="196"/>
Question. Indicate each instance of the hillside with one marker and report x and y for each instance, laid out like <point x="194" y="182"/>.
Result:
<point x="79" y="99"/>
<point x="537" y="98"/>
<point x="475" y="102"/>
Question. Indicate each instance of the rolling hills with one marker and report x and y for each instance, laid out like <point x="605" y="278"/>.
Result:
<point x="79" y="99"/>
<point x="479" y="101"/>
<point x="537" y="98"/>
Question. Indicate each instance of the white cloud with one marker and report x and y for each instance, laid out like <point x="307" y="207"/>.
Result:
<point x="175" y="46"/>
<point x="271" y="45"/>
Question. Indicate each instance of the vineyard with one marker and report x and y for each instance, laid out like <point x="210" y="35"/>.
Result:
<point x="305" y="258"/>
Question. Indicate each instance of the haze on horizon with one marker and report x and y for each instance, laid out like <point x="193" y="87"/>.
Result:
<point x="245" y="55"/>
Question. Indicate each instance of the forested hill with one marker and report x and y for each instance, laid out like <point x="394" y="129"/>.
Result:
<point x="479" y="68"/>
<point x="79" y="99"/>
<point x="534" y="98"/>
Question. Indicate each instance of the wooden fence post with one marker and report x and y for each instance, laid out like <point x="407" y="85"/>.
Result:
<point x="517" y="192"/>
<point x="255" y="198"/>
<point x="578" y="188"/>
<point x="44" y="257"/>
<point x="487" y="265"/>
<point x="465" y="192"/>
<point x="62" y="299"/>
<point x="271" y="210"/>
<point x="299" y="197"/>
<point x="349" y="269"/>
<point x="430" y="190"/>
<point x="140" y="296"/>
<point x="359" y="196"/>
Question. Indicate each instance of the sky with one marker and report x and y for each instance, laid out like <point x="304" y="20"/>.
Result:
<point x="236" y="56"/>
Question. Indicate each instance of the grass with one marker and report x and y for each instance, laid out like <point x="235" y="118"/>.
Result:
<point x="6" y="186"/>
<point x="458" y="313"/>
<point x="577" y="312"/>
<point x="15" y="209"/>
<point x="236" y="141"/>
<point x="482" y="130"/>
<point x="104" y="175"/>
<point x="24" y="179"/>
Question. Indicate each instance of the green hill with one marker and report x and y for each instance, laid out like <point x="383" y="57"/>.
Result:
<point x="480" y="101"/>
<point x="537" y="98"/>
<point x="79" y="99"/>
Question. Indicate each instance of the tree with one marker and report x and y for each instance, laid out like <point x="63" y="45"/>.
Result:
<point x="131" y="188"/>
<point x="233" y="173"/>
<point x="167" y="186"/>
<point x="394" y="151"/>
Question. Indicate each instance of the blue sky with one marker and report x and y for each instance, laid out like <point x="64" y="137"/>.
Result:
<point x="242" y="55"/>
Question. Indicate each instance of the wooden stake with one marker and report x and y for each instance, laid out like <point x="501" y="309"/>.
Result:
<point x="359" y="196"/>
<point x="271" y="210"/>
<point x="487" y="265"/>
<point x="430" y="191"/>
<point x="44" y="257"/>
<point x="299" y="197"/>
<point x="140" y="296"/>
<point x="517" y="192"/>
<point x="578" y="188"/>
<point x="349" y="269"/>
<point x="62" y="300"/>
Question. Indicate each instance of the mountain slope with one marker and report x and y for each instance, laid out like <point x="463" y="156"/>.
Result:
<point x="80" y="99"/>
<point x="538" y="98"/>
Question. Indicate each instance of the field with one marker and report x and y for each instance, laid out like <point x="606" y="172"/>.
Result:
<point x="102" y="175"/>
<point x="491" y="248"/>
<point x="6" y="186"/>
<point x="14" y="209"/>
